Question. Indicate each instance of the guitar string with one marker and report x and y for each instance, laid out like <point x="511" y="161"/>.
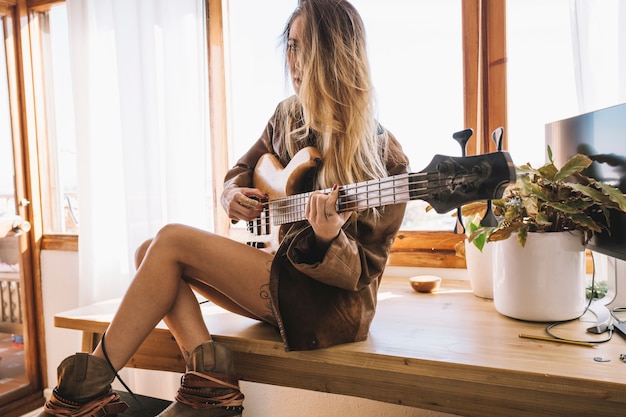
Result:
<point x="290" y="208"/>
<point x="350" y="194"/>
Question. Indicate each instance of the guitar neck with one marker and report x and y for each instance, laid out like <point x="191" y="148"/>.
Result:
<point x="359" y="196"/>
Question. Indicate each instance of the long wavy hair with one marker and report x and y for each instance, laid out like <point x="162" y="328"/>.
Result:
<point x="335" y="104"/>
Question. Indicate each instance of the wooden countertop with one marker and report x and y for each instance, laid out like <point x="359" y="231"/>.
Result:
<point x="448" y="351"/>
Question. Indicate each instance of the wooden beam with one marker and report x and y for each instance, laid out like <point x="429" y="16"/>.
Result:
<point x="217" y="108"/>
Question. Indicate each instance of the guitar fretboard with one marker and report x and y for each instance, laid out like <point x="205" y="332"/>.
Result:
<point x="359" y="196"/>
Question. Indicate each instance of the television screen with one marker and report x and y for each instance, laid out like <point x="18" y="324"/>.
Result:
<point x="601" y="135"/>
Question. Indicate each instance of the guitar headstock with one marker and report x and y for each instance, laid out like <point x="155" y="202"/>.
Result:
<point x="449" y="182"/>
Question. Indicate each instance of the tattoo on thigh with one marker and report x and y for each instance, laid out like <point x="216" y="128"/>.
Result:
<point x="268" y="265"/>
<point x="264" y="292"/>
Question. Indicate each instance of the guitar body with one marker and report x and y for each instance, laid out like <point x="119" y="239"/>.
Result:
<point x="277" y="182"/>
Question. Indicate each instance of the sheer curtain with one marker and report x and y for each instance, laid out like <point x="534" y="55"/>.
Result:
<point x="599" y="46"/>
<point x="564" y="58"/>
<point x="140" y="83"/>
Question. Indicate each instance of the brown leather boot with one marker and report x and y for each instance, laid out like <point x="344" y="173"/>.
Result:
<point x="210" y="387"/>
<point x="84" y="389"/>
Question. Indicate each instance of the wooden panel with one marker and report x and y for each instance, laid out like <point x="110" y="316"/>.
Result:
<point x="426" y="259"/>
<point x="411" y="240"/>
<point x="493" y="55"/>
<point x="426" y="249"/>
<point x="471" y="78"/>
<point x="60" y="242"/>
<point x="218" y="106"/>
<point x="42" y="4"/>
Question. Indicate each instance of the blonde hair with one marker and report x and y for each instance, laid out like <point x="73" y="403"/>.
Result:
<point x="335" y="103"/>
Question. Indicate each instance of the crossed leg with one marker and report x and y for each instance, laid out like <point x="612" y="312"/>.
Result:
<point x="231" y="274"/>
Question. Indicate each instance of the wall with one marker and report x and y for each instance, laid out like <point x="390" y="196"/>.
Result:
<point x="60" y="293"/>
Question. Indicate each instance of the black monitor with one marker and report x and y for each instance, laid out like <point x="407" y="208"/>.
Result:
<point x="601" y="135"/>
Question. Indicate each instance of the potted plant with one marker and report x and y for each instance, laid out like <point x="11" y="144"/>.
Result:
<point x="478" y="256"/>
<point x="532" y="273"/>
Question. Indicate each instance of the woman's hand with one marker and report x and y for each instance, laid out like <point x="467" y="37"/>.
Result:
<point x="242" y="203"/>
<point x="321" y="212"/>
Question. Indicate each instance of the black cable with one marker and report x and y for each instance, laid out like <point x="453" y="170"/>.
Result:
<point x="142" y="406"/>
<point x="591" y="296"/>
<point x="616" y="310"/>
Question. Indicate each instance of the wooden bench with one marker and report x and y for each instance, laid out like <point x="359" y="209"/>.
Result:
<point x="449" y="351"/>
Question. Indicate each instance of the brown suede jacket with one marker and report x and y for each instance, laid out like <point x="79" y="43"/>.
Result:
<point x="325" y="299"/>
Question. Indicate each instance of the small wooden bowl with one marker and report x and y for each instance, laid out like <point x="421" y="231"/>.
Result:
<point x="425" y="283"/>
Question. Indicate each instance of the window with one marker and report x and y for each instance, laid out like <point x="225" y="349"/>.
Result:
<point x="59" y="183"/>
<point x="7" y="186"/>
<point x="417" y="70"/>
<point x="564" y="58"/>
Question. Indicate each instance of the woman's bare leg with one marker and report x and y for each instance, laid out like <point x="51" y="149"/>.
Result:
<point x="159" y="291"/>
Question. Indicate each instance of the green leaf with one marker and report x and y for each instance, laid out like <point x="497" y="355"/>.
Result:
<point x="522" y="234"/>
<point x="504" y="231"/>
<point x="550" y="155"/>
<point x="531" y="206"/>
<point x="596" y="195"/>
<point x="526" y="169"/>
<point x="473" y="209"/>
<point x="570" y="207"/>
<point x="548" y="171"/>
<point x="540" y="193"/>
<point x="543" y="219"/>
<point x="480" y="241"/>
<point x="586" y="222"/>
<point x="575" y="165"/>
<point x="614" y="194"/>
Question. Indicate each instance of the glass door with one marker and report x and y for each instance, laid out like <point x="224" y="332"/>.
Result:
<point x="12" y="371"/>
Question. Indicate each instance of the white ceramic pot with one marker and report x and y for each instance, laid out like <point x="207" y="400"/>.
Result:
<point x="543" y="281"/>
<point x="480" y="269"/>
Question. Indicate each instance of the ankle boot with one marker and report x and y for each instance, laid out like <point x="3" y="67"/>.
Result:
<point x="210" y="387"/>
<point x="84" y="389"/>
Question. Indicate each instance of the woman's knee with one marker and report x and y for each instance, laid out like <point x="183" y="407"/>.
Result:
<point x="166" y="237"/>
<point x="140" y="253"/>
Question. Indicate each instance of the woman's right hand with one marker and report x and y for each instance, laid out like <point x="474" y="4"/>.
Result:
<point x="242" y="203"/>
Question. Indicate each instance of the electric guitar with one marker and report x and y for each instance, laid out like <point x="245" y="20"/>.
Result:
<point x="446" y="183"/>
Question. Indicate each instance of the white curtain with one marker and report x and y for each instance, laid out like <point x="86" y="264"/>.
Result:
<point x="599" y="46"/>
<point x="139" y="69"/>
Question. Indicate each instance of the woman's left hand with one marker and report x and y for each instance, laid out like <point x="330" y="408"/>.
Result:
<point x="321" y="212"/>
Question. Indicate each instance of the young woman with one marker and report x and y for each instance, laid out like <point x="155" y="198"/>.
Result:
<point x="319" y="288"/>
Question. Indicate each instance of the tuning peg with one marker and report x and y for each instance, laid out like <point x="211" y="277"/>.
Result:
<point x="463" y="137"/>
<point x="490" y="220"/>
<point x="496" y="136"/>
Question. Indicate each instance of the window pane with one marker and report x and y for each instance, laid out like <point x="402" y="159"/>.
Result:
<point x="417" y="69"/>
<point x="12" y="312"/>
<point x="7" y="184"/>
<point x="59" y="184"/>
